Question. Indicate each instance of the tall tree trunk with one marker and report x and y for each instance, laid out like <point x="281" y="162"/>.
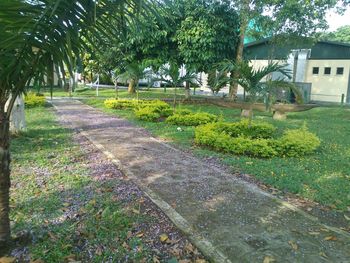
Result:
<point x="187" y="91"/>
<point x="132" y="86"/>
<point x="5" y="231"/>
<point x="239" y="53"/>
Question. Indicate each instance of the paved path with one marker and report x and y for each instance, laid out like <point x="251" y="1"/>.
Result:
<point x="228" y="217"/>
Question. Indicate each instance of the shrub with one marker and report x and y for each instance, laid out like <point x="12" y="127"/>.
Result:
<point x="152" y="110"/>
<point x="147" y="114"/>
<point x="208" y="135"/>
<point x="32" y="100"/>
<point x="242" y="128"/>
<point x="191" y="119"/>
<point x="298" y="142"/>
<point x="225" y="137"/>
<point x="183" y="112"/>
<point x="160" y="107"/>
<point x="120" y="103"/>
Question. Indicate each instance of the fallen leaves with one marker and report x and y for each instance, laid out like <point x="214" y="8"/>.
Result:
<point x="269" y="259"/>
<point x="7" y="259"/>
<point x="163" y="238"/>
<point x="330" y="238"/>
<point x="293" y="244"/>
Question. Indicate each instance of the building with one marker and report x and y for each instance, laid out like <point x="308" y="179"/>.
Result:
<point x="322" y="69"/>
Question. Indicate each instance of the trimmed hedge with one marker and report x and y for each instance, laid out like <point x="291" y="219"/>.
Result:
<point x="188" y="118"/>
<point x="32" y="100"/>
<point x="224" y="137"/>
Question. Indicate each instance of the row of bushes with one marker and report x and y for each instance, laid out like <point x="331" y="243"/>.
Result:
<point x="293" y="143"/>
<point x="240" y="138"/>
<point x="32" y="100"/>
<point x="155" y="110"/>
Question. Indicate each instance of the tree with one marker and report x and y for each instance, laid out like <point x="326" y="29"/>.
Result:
<point x="342" y="34"/>
<point x="170" y="74"/>
<point x="133" y="73"/>
<point x="252" y="80"/>
<point x="270" y="18"/>
<point x="36" y="36"/>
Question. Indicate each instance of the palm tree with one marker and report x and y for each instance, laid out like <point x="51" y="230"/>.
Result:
<point x="133" y="73"/>
<point x="36" y="36"/>
<point x="171" y="76"/>
<point x="251" y="80"/>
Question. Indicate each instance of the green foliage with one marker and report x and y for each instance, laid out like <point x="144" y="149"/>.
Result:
<point x="191" y="119"/>
<point x="147" y="114"/>
<point x="208" y="33"/>
<point x="342" y="34"/>
<point x="120" y="103"/>
<point x="209" y="135"/>
<point x="253" y="130"/>
<point x="34" y="100"/>
<point x="157" y="106"/>
<point x="256" y="140"/>
<point x="297" y="142"/>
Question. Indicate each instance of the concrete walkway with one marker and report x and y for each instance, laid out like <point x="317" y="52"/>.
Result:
<point x="229" y="219"/>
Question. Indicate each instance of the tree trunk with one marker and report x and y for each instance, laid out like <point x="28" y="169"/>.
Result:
<point x="175" y="95"/>
<point x="239" y="53"/>
<point x="17" y="119"/>
<point x="5" y="232"/>
<point x="187" y="91"/>
<point x="132" y="86"/>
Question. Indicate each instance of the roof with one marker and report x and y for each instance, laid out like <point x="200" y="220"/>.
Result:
<point x="264" y="49"/>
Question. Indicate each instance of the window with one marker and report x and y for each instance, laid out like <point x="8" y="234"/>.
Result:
<point x="340" y="71"/>
<point x="315" y="70"/>
<point x="327" y="70"/>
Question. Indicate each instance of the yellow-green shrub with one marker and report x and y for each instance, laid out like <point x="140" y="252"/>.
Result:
<point x="226" y="138"/>
<point x="208" y="135"/>
<point x="147" y="114"/>
<point x="152" y="110"/>
<point x="32" y="100"/>
<point x="242" y="128"/>
<point x="120" y="103"/>
<point x="158" y="106"/>
<point x="298" y="142"/>
<point x="191" y="119"/>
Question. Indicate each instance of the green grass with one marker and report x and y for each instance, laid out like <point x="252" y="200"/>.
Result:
<point x="154" y="93"/>
<point x="323" y="177"/>
<point x="50" y="181"/>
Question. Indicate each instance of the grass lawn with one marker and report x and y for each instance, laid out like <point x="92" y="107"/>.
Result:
<point x="323" y="177"/>
<point x="154" y="93"/>
<point x="52" y="189"/>
<point x="77" y="214"/>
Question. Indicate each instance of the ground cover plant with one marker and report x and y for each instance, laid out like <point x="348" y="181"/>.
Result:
<point x="79" y="209"/>
<point x="321" y="177"/>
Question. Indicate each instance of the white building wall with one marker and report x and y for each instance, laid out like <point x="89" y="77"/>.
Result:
<point x="328" y="88"/>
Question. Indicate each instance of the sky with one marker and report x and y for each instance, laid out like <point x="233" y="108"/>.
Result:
<point x="335" y="21"/>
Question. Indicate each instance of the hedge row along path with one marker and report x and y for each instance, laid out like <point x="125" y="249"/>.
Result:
<point x="228" y="219"/>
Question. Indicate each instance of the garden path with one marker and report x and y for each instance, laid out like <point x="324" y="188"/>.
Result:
<point x="230" y="220"/>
